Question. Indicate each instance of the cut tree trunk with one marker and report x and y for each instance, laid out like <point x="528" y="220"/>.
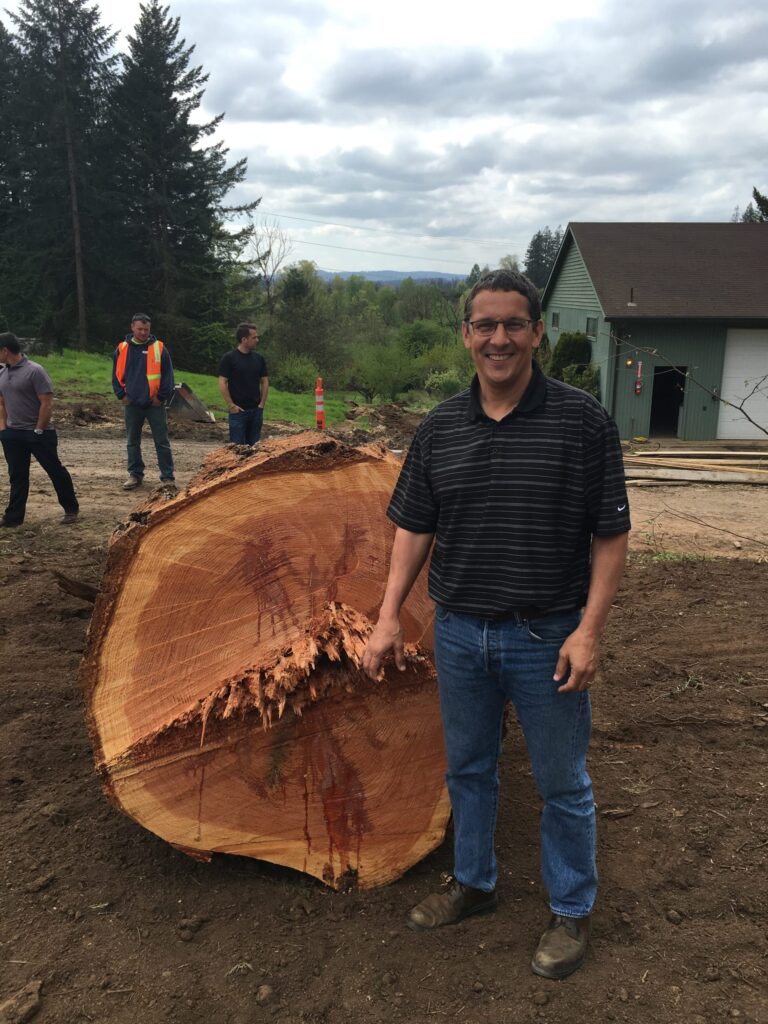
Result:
<point x="225" y="701"/>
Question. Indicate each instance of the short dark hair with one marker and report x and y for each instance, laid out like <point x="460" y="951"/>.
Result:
<point x="506" y="281"/>
<point x="11" y="342"/>
<point x="243" y="330"/>
<point x="141" y="316"/>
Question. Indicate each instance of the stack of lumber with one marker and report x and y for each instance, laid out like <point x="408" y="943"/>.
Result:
<point x="706" y="466"/>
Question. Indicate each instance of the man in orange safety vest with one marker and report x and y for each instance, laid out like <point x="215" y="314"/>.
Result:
<point x="142" y="379"/>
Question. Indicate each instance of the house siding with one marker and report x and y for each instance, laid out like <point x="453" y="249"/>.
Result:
<point x="573" y="288"/>
<point x="575" y="300"/>
<point x="700" y="347"/>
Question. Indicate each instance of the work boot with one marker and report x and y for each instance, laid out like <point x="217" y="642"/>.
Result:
<point x="5" y="522"/>
<point x="132" y="483"/>
<point x="562" y="948"/>
<point x="456" y="903"/>
<point x="69" y="517"/>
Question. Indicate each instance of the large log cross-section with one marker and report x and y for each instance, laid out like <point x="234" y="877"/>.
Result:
<point x="225" y="701"/>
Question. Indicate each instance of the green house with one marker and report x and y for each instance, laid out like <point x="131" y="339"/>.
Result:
<point x="678" y="319"/>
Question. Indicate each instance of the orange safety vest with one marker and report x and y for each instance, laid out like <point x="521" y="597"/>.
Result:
<point x="154" y="357"/>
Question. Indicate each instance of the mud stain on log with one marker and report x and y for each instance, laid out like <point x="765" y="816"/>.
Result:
<point x="342" y="794"/>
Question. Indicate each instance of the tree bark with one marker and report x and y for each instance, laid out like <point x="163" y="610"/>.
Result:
<point x="82" y="329"/>
<point x="225" y="701"/>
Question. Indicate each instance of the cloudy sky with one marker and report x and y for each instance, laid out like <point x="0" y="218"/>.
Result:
<point x="420" y="136"/>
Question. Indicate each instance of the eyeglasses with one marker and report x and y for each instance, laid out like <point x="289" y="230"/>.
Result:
<point x="487" y="328"/>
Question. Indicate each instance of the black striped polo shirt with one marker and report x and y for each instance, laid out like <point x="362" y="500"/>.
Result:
<point x="513" y="504"/>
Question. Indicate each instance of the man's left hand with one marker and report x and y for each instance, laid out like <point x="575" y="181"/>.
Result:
<point x="156" y="402"/>
<point x="577" y="661"/>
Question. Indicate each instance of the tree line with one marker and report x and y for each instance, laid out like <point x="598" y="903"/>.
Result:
<point x="379" y="340"/>
<point x="113" y="200"/>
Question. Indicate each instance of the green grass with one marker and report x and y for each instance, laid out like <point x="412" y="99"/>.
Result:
<point x="78" y="375"/>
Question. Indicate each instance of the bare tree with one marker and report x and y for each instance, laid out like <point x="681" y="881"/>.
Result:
<point x="510" y="262"/>
<point x="268" y="250"/>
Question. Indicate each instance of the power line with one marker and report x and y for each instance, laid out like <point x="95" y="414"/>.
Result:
<point x="378" y="252"/>
<point x="386" y="231"/>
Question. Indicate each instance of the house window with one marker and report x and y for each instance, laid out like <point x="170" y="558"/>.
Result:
<point x="555" y="320"/>
<point x="591" y="326"/>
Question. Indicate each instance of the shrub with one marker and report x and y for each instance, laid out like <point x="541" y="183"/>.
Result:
<point x="445" y="383"/>
<point x="422" y="335"/>
<point x="585" y="377"/>
<point x="572" y="349"/>
<point x="295" y="373"/>
<point x="383" y="370"/>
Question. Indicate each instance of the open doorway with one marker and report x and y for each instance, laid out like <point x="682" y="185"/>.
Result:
<point x="666" y="400"/>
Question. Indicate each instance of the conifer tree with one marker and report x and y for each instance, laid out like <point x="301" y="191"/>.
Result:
<point x="761" y="206"/>
<point x="10" y="183"/>
<point x="541" y="254"/>
<point x="64" y="74"/>
<point x="174" y="250"/>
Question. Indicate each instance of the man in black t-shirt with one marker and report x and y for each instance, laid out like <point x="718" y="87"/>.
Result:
<point x="244" y="384"/>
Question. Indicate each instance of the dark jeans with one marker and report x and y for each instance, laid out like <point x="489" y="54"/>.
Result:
<point x="156" y="416"/>
<point x="245" y="426"/>
<point x="18" y="447"/>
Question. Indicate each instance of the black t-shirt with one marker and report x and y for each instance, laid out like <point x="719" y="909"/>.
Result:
<point x="243" y="371"/>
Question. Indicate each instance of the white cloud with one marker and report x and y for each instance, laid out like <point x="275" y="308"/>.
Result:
<point x="405" y="118"/>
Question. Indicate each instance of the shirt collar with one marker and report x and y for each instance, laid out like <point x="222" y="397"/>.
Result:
<point x="533" y="396"/>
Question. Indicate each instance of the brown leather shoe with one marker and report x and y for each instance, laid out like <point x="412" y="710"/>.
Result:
<point x="456" y="903"/>
<point x="562" y="948"/>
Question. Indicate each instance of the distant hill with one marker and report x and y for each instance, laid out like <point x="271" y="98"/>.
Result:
<point x="393" y="277"/>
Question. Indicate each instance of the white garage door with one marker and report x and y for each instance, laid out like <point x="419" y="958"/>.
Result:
<point x="745" y="372"/>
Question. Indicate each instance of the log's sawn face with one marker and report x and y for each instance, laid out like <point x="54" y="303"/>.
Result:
<point x="225" y="700"/>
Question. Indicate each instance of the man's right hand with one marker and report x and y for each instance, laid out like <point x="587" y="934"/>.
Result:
<point x="387" y="636"/>
<point x="235" y="408"/>
<point x="125" y="400"/>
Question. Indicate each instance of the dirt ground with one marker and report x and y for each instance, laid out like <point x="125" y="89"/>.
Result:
<point x="103" y="922"/>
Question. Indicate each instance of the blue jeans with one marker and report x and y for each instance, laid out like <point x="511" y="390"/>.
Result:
<point x="157" y="418"/>
<point x="482" y="663"/>
<point x="245" y="426"/>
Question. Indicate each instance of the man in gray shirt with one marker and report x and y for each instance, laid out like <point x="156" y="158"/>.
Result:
<point x="26" y="400"/>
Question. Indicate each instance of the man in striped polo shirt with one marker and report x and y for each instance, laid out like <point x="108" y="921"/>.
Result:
<point x="519" y="482"/>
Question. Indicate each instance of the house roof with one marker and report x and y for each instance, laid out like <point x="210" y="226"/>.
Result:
<point x="674" y="270"/>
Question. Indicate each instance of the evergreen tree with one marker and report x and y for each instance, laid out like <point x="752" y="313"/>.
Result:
<point x="573" y="350"/>
<point x="303" y="323"/>
<point x="750" y="215"/>
<point x="10" y="181"/>
<point x="174" y="251"/>
<point x="541" y="254"/>
<point x="474" y="275"/>
<point x="761" y="202"/>
<point x="64" y="72"/>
